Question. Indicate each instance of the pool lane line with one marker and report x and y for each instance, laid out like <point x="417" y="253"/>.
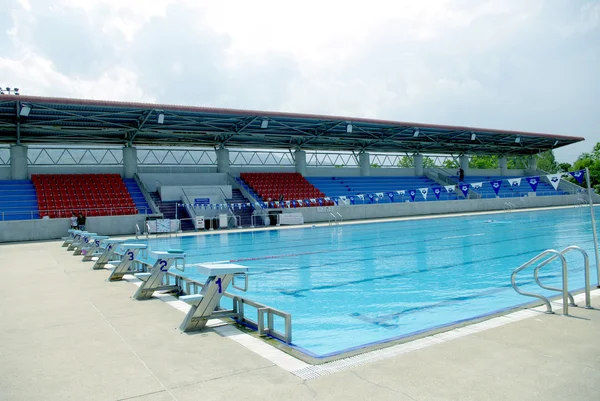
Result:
<point x="297" y="292"/>
<point x="287" y="246"/>
<point x="370" y="247"/>
<point x="382" y="319"/>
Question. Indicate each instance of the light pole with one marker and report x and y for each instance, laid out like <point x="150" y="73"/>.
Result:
<point x="9" y="91"/>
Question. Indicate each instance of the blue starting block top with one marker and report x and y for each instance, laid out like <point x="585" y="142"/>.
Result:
<point x="86" y="234"/>
<point x="114" y="240"/>
<point x="101" y="237"/>
<point x="215" y="269"/>
<point x="173" y="253"/>
<point x="73" y="230"/>
<point x="131" y="245"/>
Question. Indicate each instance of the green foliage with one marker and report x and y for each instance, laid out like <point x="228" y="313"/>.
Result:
<point x="450" y="163"/>
<point x="547" y="162"/>
<point x="564" y="167"/>
<point x="591" y="161"/>
<point x="516" y="163"/>
<point x="406" y="162"/>
<point x="428" y="162"/>
<point x="483" y="162"/>
<point x="375" y="165"/>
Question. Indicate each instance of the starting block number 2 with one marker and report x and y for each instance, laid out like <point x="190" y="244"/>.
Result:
<point x="163" y="265"/>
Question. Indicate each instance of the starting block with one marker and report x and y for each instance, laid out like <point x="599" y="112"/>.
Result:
<point x="204" y="305"/>
<point x="153" y="280"/>
<point x="124" y="266"/>
<point x="107" y="252"/>
<point x="71" y="237"/>
<point x="86" y="240"/>
<point x="76" y="239"/>
<point x="94" y="248"/>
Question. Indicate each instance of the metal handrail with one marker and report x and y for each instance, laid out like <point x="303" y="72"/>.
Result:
<point x="238" y="219"/>
<point x="543" y="298"/>
<point x="340" y="215"/>
<point x="334" y="218"/>
<point x="509" y="206"/>
<point x="137" y="231"/>
<point x="586" y="262"/>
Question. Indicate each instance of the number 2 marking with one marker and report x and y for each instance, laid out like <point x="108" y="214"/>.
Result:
<point x="163" y="265"/>
<point x="219" y="282"/>
<point x="130" y="254"/>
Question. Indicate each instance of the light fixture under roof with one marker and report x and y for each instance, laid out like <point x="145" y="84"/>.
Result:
<point x="556" y="142"/>
<point x="25" y="110"/>
<point x="161" y="118"/>
<point x="518" y="139"/>
<point x="349" y="128"/>
<point x="473" y="136"/>
<point x="416" y="133"/>
<point x="264" y="124"/>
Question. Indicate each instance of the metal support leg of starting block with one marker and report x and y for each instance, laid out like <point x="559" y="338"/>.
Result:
<point x="77" y="238"/>
<point x="124" y="266"/>
<point x="153" y="281"/>
<point x="109" y="251"/>
<point x="85" y="242"/>
<point x="205" y="303"/>
<point x="69" y="239"/>
<point x="94" y="247"/>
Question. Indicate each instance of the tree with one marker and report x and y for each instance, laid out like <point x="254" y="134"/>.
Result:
<point x="547" y="162"/>
<point x="450" y="163"/>
<point x="483" y="162"/>
<point x="591" y="161"/>
<point x="428" y="162"/>
<point x="564" y="167"/>
<point x="516" y="163"/>
<point x="406" y="162"/>
<point x="375" y="165"/>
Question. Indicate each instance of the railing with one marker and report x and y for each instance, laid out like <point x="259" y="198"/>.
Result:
<point x="189" y="286"/>
<point x="566" y="295"/>
<point x="580" y="202"/>
<point x="66" y="213"/>
<point x="146" y="194"/>
<point x="331" y="215"/>
<point x="238" y="220"/>
<point x="509" y="206"/>
<point x="340" y="216"/>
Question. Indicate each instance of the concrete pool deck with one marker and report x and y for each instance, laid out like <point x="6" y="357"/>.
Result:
<point x="67" y="334"/>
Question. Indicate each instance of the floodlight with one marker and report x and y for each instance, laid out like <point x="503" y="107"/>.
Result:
<point x="416" y="134"/>
<point x="556" y="142"/>
<point x="518" y="139"/>
<point x="25" y="110"/>
<point x="473" y="136"/>
<point x="16" y="91"/>
<point x="264" y="124"/>
<point x="161" y="118"/>
<point x="349" y="128"/>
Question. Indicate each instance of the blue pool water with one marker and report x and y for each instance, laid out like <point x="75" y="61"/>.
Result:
<point x="351" y="286"/>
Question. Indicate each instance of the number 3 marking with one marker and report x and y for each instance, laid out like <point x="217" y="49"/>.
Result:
<point x="163" y="265"/>
<point x="130" y="254"/>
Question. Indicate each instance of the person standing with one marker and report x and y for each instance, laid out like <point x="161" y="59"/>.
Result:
<point x="461" y="174"/>
<point x="74" y="221"/>
<point x="81" y="221"/>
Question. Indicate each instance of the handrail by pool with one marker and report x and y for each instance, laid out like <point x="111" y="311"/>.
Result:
<point x="543" y="298"/>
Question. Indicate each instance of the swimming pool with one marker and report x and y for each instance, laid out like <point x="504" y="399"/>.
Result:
<point x="352" y="286"/>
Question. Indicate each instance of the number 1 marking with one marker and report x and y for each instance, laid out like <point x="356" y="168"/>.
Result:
<point x="219" y="282"/>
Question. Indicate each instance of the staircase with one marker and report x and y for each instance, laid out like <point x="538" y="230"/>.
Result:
<point x="168" y="211"/>
<point x="138" y="197"/>
<point x="245" y="214"/>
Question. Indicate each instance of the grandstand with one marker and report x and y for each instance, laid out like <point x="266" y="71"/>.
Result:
<point x="190" y="163"/>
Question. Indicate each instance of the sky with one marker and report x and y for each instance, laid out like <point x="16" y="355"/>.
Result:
<point x="508" y="64"/>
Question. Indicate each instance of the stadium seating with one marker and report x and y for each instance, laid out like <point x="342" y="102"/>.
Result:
<point x="59" y="195"/>
<point x="268" y="187"/>
<point x="18" y="200"/>
<point x="352" y="186"/>
<point x="508" y="191"/>
<point x="138" y="197"/>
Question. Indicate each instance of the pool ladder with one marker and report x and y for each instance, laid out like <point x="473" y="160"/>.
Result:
<point x="566" y="295"/>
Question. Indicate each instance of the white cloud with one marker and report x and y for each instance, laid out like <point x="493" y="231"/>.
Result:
<point x="504" y="64"/>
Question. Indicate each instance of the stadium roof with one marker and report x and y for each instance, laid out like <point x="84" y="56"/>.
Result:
<point x="41" y="120"/>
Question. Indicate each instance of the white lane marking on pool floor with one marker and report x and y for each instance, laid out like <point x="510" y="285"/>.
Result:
<point x="307" y="371"/>
<point x="464" y="236"/>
